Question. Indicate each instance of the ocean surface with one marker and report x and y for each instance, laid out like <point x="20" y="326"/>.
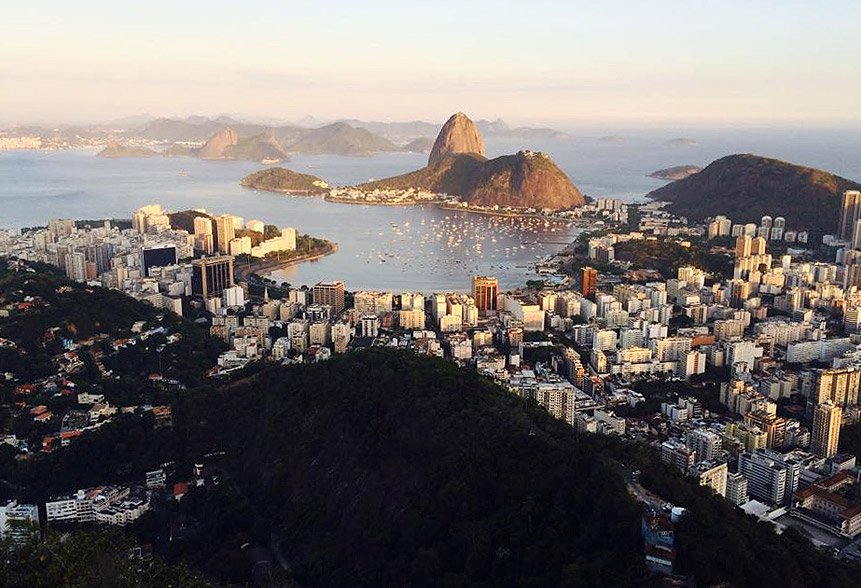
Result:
<point x="401" y="248"/>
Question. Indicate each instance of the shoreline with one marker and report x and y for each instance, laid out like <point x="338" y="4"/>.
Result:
<point x="242" y="271"/>
<point x="440" y="204"/>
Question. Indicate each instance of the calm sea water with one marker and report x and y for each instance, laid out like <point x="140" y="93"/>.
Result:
<point x="402" y="248"/>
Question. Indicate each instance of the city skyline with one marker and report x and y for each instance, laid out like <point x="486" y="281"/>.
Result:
<point x="628" y="64"/>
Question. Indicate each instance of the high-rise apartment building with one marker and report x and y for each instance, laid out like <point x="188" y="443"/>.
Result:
<point x="224" y="232"/>
<point x="589" y="282"/>
<point x="827" y="418"/>
<point x="707" y="444"/>
<point x="76" y="266"/>
<point x="484" y="292"/>
<point x="736" y="488"/>
<point x="838" y="385"/>
<point x="211" y="275"/>
<point x="204" y="239"/>
<point x="771" y="476"/>
<point x="773" y="426"/>
<point x="850" y="214"/>
<point x="743" y="246"/>
<point x="331" y="293"/>
<point x="157" y="256"/>
<point x="757" y="246"/>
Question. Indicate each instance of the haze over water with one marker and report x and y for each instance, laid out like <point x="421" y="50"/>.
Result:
<point x="428" y="249"/>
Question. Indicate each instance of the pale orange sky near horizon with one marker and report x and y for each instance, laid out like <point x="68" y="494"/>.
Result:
<point x="625" y="63"/>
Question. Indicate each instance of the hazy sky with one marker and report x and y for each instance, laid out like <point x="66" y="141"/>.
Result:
<point x="575" y="63"/>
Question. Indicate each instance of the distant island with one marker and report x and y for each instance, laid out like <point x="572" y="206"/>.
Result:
<point x="682" y="142"/>
<point x="747" y="187"/>
<point x="679" y="172"/>
<point x="279" y="179"/>
<point x="117" y="150"/>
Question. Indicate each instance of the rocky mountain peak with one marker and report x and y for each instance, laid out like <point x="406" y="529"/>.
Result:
<point x="216" y="147"/>
<point x="458" y="135"/>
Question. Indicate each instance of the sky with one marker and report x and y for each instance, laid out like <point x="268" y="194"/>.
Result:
<point x="567" y="63"/>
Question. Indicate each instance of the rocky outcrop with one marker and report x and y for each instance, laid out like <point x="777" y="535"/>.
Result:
<point x="747" y="187"/>
<point x="679" y="172"/>
<point x="217" y="146"/>
<point x="458" y="135"/>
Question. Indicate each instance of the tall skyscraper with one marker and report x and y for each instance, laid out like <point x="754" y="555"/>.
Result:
<point x="157" y="256"/>
<point x="76" y="266"/>
<point x="743" y="246"/>
<point x="849" y="214"/>
<point x="757" y="246"/>
<point x="211" y="275"/>
<point x="224" y="232"/>
<point x="839" y="386"/>
<point x="331" y="293"/>
<point x="484" y="292"/>
<point x="589" y="282"/>
<point x="827" y="418"/>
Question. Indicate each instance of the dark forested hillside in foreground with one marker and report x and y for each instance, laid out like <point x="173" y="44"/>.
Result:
<point x="383" y="468"/>
<point x="386" y="469"/>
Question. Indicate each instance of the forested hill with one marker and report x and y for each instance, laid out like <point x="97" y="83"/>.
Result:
<point x="387" y="469"/>
<point x="747" y="187"/>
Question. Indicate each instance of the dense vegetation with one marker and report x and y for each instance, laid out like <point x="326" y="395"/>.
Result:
<point x="747" y="187"/>
<point x="84" y="560"/>
<point x="667" y="255"/>
<point x="279" y="179"/>
<point x="384" y="468"/>
<point x="850" y="439"/>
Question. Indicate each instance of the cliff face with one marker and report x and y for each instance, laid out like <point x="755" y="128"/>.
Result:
<point x="458" y="135"/>
<point x="747" y="187"/>
<point x="218" y="144"/>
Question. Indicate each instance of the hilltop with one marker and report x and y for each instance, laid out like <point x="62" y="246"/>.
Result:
<point x="457" y="166"/>
<point x="116" y="150"/>
<point x="279" y="179"/>
<point x="341" y="139"/>
<point x="458" y="135"/>
<point x="747" y="187"/>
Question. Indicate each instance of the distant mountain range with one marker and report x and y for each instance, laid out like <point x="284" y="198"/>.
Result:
<point x="747" y="187"/>
<point x="405" y="131"/>
<point x="345" y="137"/>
